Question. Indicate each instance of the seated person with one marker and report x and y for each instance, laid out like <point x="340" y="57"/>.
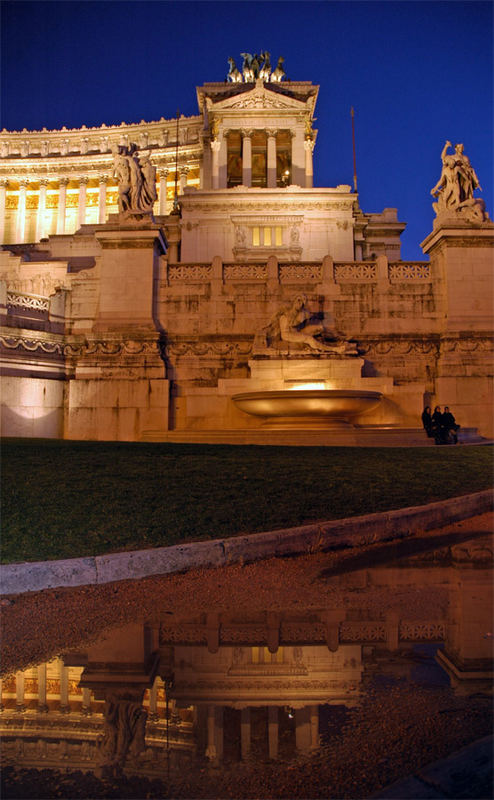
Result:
<point x="450" y="425"/>
<point x="427" y="421"/>
<point x="438" y="430"/>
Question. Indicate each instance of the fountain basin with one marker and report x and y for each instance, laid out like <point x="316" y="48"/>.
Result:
<point x="308" y="408"/>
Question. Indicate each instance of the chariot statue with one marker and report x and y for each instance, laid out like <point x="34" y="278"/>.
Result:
<point x="254" y="66"/>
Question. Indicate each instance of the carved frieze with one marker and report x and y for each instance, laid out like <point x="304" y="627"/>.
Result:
<point x="224" y="348"/>
<point x="32" y="345"/>
<point x="399" y="346"/>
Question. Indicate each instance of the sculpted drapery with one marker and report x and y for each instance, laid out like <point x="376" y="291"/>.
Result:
<point x="136" y="181"/>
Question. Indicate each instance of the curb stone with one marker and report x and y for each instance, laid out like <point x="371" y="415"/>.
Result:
<point x="317" y="537"/>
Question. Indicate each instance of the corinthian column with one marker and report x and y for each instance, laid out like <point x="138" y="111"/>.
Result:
<point x="81" y="217"/>
<point x="309" y="171"/>
<point x="40" y="219"/>
<point x="3" y="194"/>
<point x="103" y="180"/>
<point x="163" y="174"/>
<point x="21" y="212"/>
<point x="62" y="203"/>
<point x="215" y="147"/>
<point x="183" y="178"/>
<point x="271" y="159"/>
<point x="247" y="158"/>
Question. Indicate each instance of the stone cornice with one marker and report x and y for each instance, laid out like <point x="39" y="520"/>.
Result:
<point x="103" y="128"/>
<point x="466" y="235"/>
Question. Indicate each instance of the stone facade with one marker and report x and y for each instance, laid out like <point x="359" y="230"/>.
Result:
<point x="112" y="330"/>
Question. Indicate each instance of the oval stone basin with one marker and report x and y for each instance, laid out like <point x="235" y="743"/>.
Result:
<point x="308" y="408"/>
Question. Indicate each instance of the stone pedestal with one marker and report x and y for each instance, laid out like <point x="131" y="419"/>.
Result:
<point x="462" y="258"/>
<point x="129" y="265"/>
<point x="462" y="253"/>
<point x="120" y="387"/>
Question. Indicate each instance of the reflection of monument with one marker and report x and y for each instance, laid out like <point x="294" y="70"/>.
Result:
<point x="238" y="684"/>
<point x="123" y="320"/>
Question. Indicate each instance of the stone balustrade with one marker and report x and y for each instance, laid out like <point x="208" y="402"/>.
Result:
<point x="305" y="272"/>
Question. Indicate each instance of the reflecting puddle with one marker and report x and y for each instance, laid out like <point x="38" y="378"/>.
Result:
<point x="392" y="671"/>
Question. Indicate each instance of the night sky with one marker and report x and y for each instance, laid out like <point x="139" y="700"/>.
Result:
<point x="417" y="73"/>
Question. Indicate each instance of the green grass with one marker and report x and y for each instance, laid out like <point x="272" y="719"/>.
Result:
<point x="67" y="499"/>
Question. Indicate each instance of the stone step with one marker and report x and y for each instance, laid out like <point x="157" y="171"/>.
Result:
<point x="351" y="437"/>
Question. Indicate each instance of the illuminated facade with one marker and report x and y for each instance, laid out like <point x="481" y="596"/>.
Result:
<point x="110" y="332"/>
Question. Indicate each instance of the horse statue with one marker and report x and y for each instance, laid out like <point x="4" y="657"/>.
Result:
<point x="255" y="65"/>
<point x="265" y="70"/>
<point x="279" y="73"/>
<point x="234" y="75"/>
<point x="246" y="67"/>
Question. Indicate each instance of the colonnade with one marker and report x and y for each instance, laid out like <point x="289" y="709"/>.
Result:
<point x="300" y="157"/>
<point x="306" y="730"/>
<point x="21" y="227"/>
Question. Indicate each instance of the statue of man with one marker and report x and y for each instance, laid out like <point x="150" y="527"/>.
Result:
<point x="293" y="324"/>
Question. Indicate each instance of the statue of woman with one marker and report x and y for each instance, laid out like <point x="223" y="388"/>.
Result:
<point x="447" y="189"/>
<point x="122" y="173"/>
<point x="458" y="180"/>
<point x="148" y="192"/>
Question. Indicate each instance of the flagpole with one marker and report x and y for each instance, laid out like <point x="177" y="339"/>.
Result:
<point x="354" y="156"/>
<point x="175" y="197"/>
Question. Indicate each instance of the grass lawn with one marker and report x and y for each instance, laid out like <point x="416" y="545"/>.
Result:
<point x="64" y="499"/>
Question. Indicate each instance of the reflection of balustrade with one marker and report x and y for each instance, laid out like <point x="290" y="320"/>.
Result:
<point x="417" y="631"/>
<point x="350" y="632"/>
<point x="31" y="301"/>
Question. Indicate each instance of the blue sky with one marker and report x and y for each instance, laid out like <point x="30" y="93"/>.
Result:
<point x="417" y="73"/>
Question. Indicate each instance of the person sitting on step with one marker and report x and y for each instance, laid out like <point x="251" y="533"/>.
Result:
<point x="450" y="425"/>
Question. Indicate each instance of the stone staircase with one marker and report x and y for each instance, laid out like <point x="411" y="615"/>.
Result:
<point x="351" y="437"/>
